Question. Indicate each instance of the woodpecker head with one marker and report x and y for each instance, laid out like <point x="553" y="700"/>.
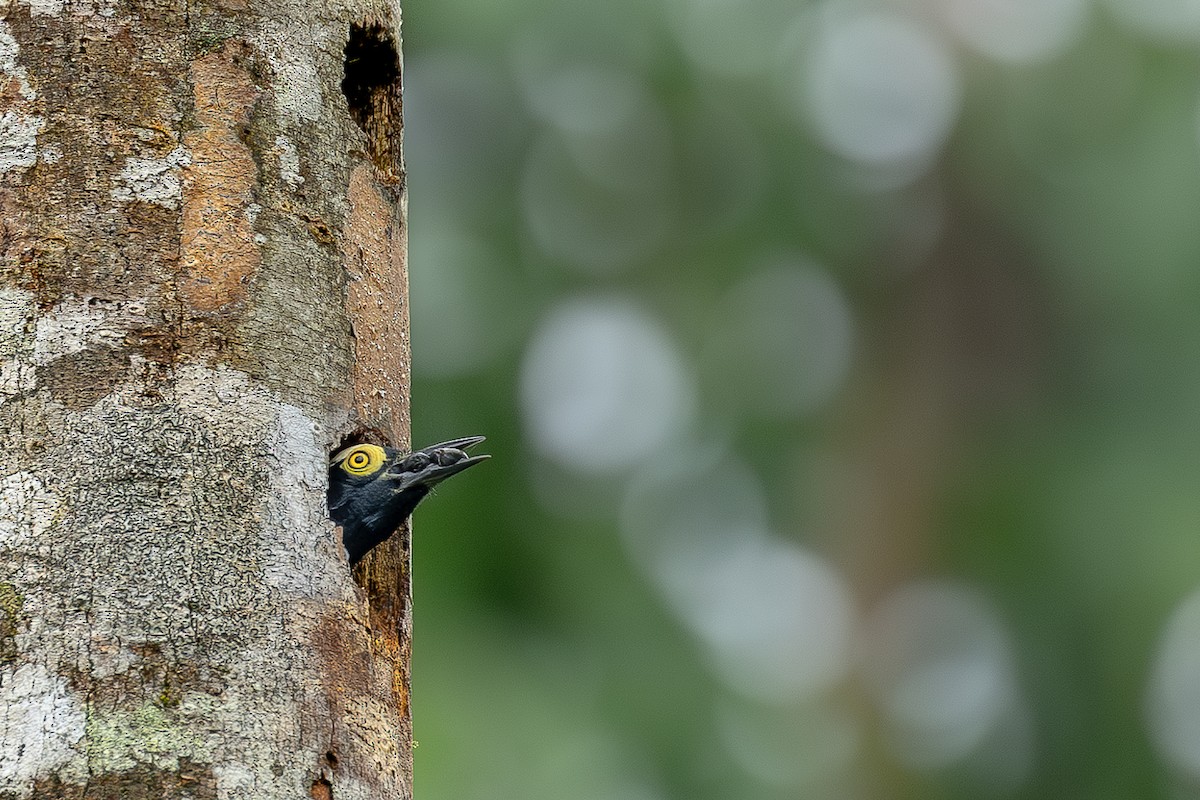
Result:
<point x="373" y="489"/>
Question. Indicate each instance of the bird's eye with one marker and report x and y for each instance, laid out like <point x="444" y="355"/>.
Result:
<point x="363" y="459"/>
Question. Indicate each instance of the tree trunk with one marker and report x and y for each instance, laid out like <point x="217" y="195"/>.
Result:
<point x="202" y="291"/>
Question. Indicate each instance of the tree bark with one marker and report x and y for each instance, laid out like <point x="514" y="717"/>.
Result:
<point x="202" y="291"/>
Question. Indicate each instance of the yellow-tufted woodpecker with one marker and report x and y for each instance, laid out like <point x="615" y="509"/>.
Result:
<point x="373" y="489"/>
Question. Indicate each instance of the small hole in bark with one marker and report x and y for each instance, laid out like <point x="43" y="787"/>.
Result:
<point x="372" y="88"/>
<point x="372" y="66"/>
<point x="331" y="759"/>
<point x="362" y="436"/>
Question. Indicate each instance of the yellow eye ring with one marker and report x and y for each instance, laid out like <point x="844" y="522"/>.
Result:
<point x="362" y="459"/>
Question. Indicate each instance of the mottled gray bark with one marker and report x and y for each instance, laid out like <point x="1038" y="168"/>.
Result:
<point x="202" y="290"/>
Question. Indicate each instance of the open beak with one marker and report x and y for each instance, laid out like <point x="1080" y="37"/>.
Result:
<point x="431" y="465"/>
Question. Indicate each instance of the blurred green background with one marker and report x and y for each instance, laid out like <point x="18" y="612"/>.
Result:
<point x="841" y="365"/>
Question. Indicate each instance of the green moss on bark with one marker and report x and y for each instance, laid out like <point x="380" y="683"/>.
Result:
<point x="11" y="603"/>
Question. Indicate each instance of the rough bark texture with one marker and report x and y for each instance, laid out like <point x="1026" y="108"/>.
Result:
<point x="202" y="290"/>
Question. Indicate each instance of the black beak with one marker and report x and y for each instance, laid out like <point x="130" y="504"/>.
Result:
<point x="431" y="465"/>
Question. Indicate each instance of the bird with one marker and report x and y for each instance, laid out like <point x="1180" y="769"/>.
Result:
<point x="373" y="489"/>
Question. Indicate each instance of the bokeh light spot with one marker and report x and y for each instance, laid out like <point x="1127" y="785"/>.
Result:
<point x="777" y="619"/>
<point x="1173" y="700"/>
<point x="879" y="88"/>
<point x="941" y="666"/>
<point x="1017" y="31"/>
<point x="603" y="386"/>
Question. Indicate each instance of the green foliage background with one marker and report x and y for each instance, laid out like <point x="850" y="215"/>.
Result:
<point x="985" y="434"/>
